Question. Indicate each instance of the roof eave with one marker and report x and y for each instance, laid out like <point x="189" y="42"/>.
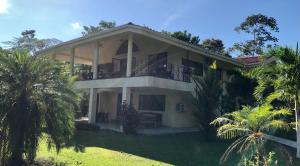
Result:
<point x="145" y="31"/>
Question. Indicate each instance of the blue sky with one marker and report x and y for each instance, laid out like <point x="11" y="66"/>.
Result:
<point x="63" y="19"/>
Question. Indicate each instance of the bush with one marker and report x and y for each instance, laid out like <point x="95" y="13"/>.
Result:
<point x="84" y="106"/>
<point x="130" y="119"/>
<point x="257" y="160"/>
<point x="80" y="125"/>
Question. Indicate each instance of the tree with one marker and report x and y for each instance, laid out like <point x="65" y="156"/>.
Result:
<point x="184" y="36"/>
<point x="261" y="28"/>
<point x="36" y="96"/>
<point x="215" y="45"/>
<point x="28" y="42"/>
<point x="239" y="90"/>
<point x="208" y="91"/>
<point x="249" y="126"/>
<point x="281" y="81"/>
<point x="102" y="25"/>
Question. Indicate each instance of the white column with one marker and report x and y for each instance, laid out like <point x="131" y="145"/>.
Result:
<point x="72" y="59"/>
<point x="126" y="97"/>
<point x="126" y="94"/>
<point x="129" y="55"/>
<point x="96" y="60"/>
<point x="92" y="105"/>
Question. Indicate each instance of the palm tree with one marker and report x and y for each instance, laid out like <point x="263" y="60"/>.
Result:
<point x="36" y="97"/>
<point x="249" y="126"/>
<point x="208" y="90"/>
<point x="281" y="80"/>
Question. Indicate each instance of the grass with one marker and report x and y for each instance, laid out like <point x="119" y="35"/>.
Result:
<point x="109" y="148"/>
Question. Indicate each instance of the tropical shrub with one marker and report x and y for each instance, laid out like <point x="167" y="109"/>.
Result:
<point x="130" y="118"/>
<point x="36" y="96"/>
<point x="84" y="105"/>
<point x="249" y="127"/>
<point x="239" y="90"/>
<point x="208" y="91"/>
<point x="255" y="160"/>
<point x="279" y="83"/>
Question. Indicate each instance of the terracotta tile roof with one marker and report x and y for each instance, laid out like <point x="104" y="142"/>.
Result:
<point x="250" y="60"/>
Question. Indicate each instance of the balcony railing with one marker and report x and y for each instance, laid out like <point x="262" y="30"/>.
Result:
<point x="167" y="71"/>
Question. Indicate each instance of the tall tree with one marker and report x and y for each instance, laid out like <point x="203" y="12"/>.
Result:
<point x="36" y="96"/>
<point x="261" y="28"/>
<point x="215" y="45"/>
<point x="281" y="81"/>
<point x="184" y="36"/>
<point x="28" y="42"/>
<point x="102" y="25"/>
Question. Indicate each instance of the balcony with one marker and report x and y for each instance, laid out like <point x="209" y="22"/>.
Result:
<point x="111" y="70"/>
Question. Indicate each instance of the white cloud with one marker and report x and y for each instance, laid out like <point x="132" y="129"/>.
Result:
<point x="76" y="26"/>
<point x="4" y="6"/>
<point x="169" y="20"/>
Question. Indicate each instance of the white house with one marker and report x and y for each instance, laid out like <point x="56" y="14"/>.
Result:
<point x="146" y="68"/>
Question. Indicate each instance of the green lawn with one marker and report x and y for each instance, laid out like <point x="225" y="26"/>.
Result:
<point x="109" y="148"/>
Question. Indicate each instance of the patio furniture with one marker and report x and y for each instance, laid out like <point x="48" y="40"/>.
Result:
<point x="150" y="119"/>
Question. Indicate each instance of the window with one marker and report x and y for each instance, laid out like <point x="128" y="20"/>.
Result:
<point x="157" y="63"/>
<point x="152" y="102"/>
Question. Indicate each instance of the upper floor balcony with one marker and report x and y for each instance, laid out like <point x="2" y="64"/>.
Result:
<point x="117" y="69"/>
<point x="125" y="54"/>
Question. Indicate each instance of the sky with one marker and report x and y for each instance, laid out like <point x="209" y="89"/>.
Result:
<point x="63" y="19"/>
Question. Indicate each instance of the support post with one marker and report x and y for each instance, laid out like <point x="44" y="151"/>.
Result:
<point x="129" y="55"/>
<point x="96" y="60"/>
<point x="126" y="95"/>
<point x="125" y="98"/>
<point x="92" y="105"/>
<point x="72" y="59"/>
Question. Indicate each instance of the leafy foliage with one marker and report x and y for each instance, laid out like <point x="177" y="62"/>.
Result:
<point x="130" y="119"/>
<point x="255" y="160"/>
<point x="36" y="96"/>
<point x="261" y="28"/>
<point x="208" y="91"/>
<point x="28" y="42"/>
<point x="280" y="80"/>
<point x="102" y="25"/>
<point x="239" y="90"/>
<point x="279" y="83"/>
<point x="249" y="125"/>
<point x="215" y="45"/>
<point x="184" y="36"/>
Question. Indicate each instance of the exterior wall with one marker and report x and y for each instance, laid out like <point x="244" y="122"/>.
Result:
<point x="170" y="117"/>
<point x="108" y="103"/>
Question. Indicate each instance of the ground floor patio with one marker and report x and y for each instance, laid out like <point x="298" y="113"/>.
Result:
<point x="163" y="110"/>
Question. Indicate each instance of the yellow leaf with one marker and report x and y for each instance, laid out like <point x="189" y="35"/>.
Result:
<point x="213" y="65"/>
